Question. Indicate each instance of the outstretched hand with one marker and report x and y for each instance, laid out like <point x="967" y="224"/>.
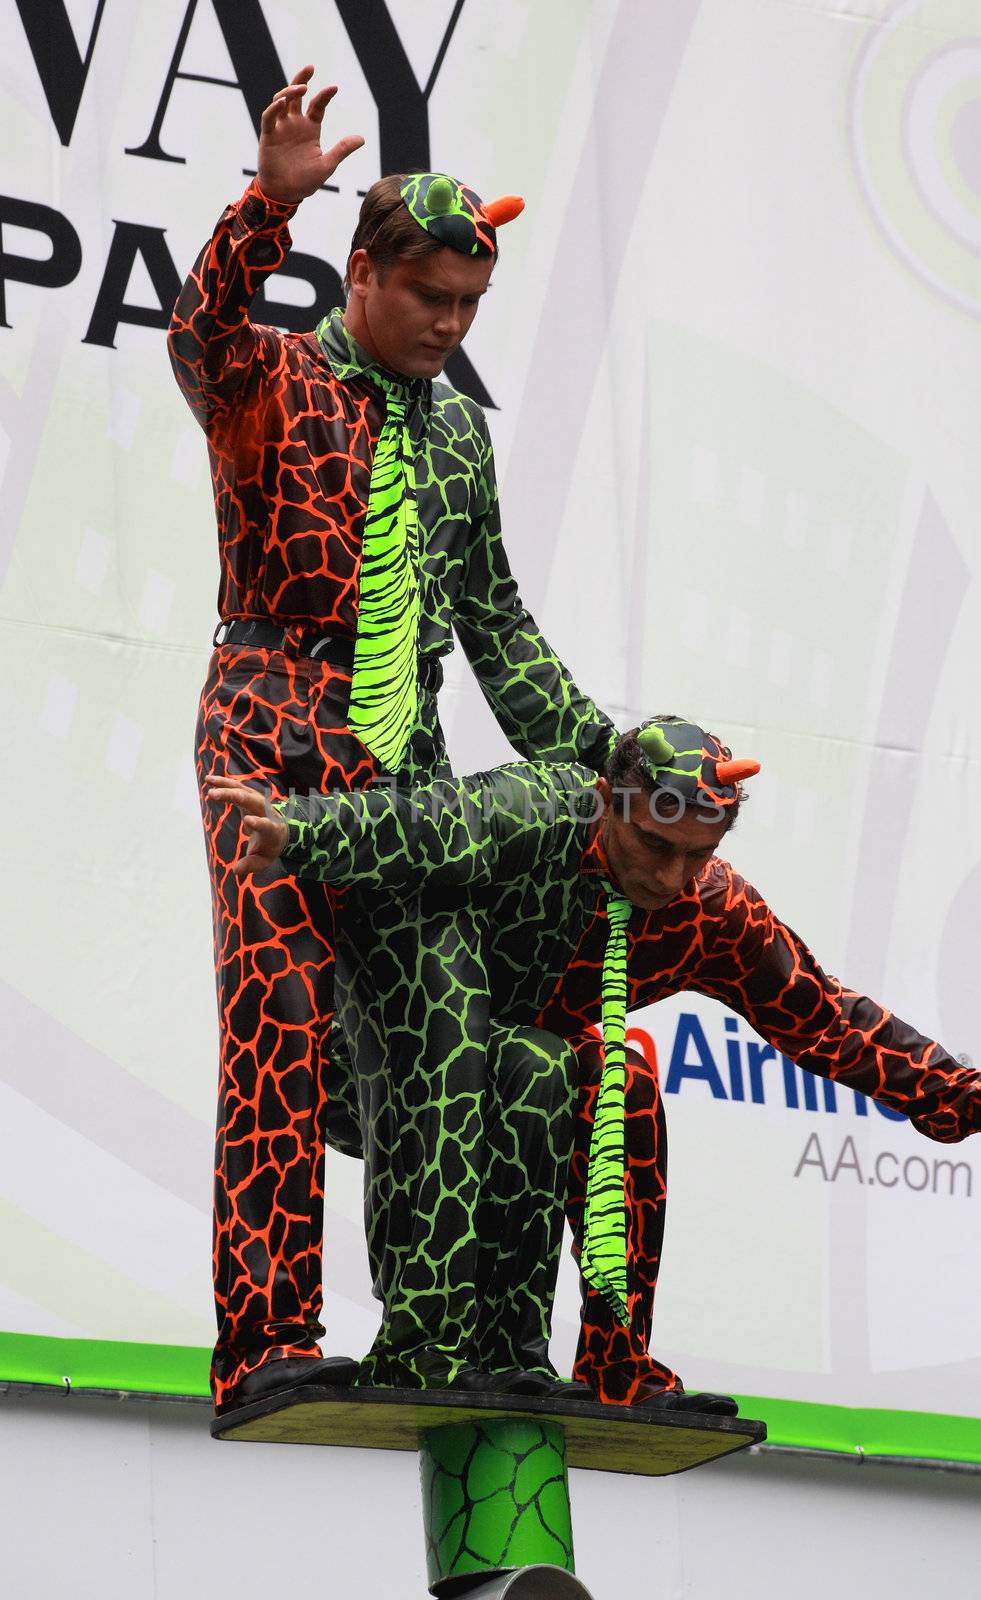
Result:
<point x="291" y="162"/>
<point x="266" y="831"/>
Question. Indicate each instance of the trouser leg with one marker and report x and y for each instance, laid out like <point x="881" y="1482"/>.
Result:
<point x="274" y="998"/>
<point x="425" y="760"/>
<point x="274" y="956"/>
<point x="528" y="1128"/>
<point x="413" y="1002"/>
<point x="342" y="1121"/>
<point x="612" y="1359"/>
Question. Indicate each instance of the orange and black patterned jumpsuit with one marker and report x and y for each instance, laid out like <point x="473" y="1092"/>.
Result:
<point x="522" y="842"/>
<point x="291" y="422"/>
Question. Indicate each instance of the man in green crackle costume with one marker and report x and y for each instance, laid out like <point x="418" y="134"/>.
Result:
<point x="601" y="895"/>
<point x="358" y="527"/>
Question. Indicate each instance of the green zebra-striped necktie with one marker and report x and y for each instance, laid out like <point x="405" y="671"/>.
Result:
<point x="603" y="1262"/>
<point x="385" y="677"/>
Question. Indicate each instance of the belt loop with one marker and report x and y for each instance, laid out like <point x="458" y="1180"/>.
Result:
<point x="430" y="674"/>
<point x="292" y="639"/>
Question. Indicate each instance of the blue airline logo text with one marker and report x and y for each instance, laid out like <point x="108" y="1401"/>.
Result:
<point x="752" y="1071"/>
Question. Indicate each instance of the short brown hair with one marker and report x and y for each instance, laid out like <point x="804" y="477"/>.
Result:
<point x="387" y="229"/>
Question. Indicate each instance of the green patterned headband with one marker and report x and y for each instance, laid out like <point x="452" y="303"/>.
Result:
<point x="456" y="215"/>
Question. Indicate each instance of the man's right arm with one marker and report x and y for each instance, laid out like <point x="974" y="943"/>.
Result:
<point x="459" y="833"/>
<point x="211" y="342"/>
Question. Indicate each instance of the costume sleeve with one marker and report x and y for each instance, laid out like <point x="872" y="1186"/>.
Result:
<point x="212" y="343"/>
<point x="460" y="833"/>
<point x="540" y="710"/>
<point x="759" y="967"/>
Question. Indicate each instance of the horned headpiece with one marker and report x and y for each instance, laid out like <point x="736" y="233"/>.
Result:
<point x="456" y="215"/>
<point x="682" y="757"/>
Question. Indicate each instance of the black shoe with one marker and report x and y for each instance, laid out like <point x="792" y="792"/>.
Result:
<point x="562" y="1389"/>
<point x="474" y="1380"/>
<point x="293" y="1372"/>
<point x="711" y="1405"/>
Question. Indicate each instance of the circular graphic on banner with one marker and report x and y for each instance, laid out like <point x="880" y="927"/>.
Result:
<point x="915" y="126"/>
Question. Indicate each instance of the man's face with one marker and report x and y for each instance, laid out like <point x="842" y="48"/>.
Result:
<point x="413" y="314"/>
<point x="652" y="856"/>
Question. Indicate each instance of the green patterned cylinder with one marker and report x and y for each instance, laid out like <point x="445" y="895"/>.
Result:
<point x="495" y="1496"/>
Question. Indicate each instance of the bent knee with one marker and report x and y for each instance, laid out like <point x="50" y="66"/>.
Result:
<point x="533" y="1066"/>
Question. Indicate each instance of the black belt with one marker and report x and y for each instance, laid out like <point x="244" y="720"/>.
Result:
<point x="337" y="648"/>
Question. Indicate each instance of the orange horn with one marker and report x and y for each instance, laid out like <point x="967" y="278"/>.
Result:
<point x="504" y="210"/>
<point x="728" y="772"/>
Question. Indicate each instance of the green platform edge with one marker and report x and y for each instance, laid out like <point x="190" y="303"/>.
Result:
<point x="162" y="1369"/>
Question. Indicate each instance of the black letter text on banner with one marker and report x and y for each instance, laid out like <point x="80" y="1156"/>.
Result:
<point x="55" y="270"/>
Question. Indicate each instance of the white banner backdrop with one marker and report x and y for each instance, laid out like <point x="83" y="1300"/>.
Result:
<point x="733" y="350"/>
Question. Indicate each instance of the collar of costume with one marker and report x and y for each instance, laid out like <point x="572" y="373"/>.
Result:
<point x="348" y="359"/>
<point x="593" y="862"/>
<point x="696" y="766"/>
<point x="455" y="214"/>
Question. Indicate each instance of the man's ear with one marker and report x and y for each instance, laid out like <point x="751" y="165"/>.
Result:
<point x="360" y="271"/>
<point x="604" y="791"/>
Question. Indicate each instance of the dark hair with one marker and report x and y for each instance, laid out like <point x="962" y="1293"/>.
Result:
<point x="387" y="229"/>
<point x="627" y="772"/>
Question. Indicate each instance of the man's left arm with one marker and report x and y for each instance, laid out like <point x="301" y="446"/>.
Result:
<point x="534" y="699"/>
<point x="759" y="967"/>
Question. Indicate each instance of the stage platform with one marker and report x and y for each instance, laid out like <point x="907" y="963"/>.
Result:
<point x="604" y="1438"/>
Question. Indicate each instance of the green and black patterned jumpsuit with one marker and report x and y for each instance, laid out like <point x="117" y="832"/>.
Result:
<point x="521" y="844"/>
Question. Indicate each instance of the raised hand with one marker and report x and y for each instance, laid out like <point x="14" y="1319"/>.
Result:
<point x="291" y="162"/>
<point x="267" y="832"/>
